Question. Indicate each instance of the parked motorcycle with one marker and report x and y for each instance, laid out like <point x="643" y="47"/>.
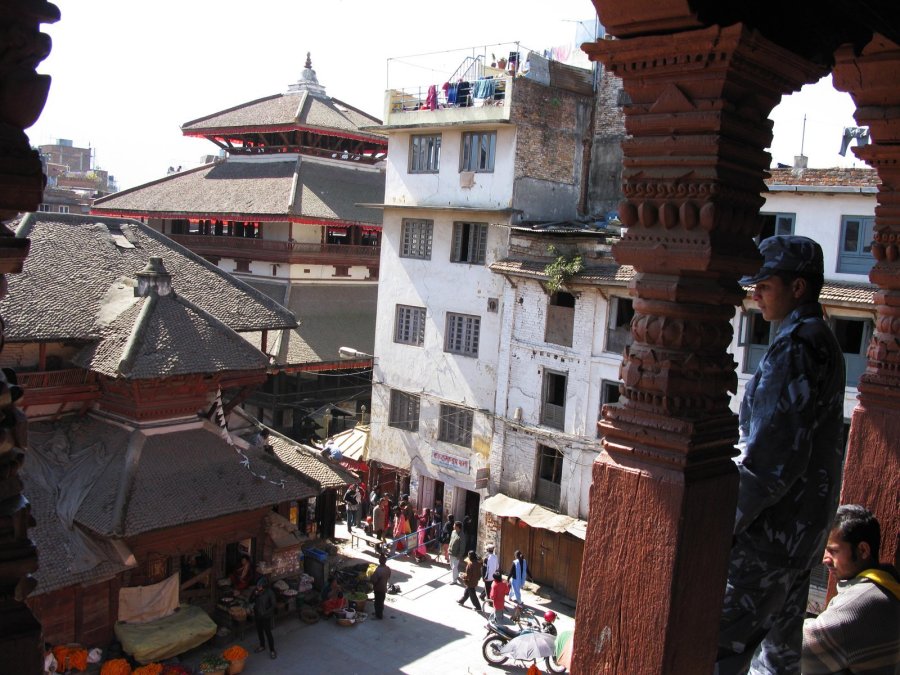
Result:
<point x="531" y="639"/>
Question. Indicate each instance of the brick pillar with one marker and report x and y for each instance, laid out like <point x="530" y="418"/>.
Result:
<point x="664" y="489"/>
<point x="872" y="466"/>
<point x="22" y="96"/>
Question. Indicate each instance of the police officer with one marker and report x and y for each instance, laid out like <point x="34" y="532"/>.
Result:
<point x="791" y="453"/>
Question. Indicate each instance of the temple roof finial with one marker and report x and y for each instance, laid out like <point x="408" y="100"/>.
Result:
<point x="308" y="81"/>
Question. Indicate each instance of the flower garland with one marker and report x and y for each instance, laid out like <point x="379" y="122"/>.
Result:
<point x="116" y="667"/>
<point x="235" y="653"/>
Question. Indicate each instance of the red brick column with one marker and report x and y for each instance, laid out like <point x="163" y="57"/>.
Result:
<point x="22" y="96"/>
<point x="664" y="489"/>
<point x="872" y="467"/>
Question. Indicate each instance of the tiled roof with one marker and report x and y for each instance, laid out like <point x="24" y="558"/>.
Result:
<point x="244" y="190"/>
<point x="77" y="261"/>
<point x="833" y="177"/>
<point x="164" y="336"/>
<point x="294" y="108"/>
<point x="330" y="316"/>
<point x="183" y="477"/>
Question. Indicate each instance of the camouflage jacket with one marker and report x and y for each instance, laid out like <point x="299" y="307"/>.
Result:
<point x="791" y="442"/>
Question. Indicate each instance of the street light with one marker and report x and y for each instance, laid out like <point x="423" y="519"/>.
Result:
<point x="351" y="353"/>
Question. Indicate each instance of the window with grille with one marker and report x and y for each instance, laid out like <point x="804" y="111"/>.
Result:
<point x="456" y="425"/>
<point x="424" y="154"/>
<point x="469" y="243"/>
<point x="855" y="254"/>
<point x="478" y="150"/>
<point x="462" y="334"/>
<point x="410" y="325"/>
<point x="415" y="239"/>
<point x="549" y="479"/>
<point x="404" y="413"/>
<point x="63" y="208"/>
<point x="553" y="408"/>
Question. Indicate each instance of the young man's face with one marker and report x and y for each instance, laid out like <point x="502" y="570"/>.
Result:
<point x="777" y="299"/>
<point x="843" y="559"/>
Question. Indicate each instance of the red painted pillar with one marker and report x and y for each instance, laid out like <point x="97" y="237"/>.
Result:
<point x="872" y="466"/>
<point x="664" y="489"/>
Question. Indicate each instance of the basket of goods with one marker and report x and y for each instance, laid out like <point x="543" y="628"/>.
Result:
<point x="346" y="617"/>
<point x="237" y="657"/>
<point x="357" y="600"/>
<point x="213" y="665"/>
<point x="238" y="612"/>
<point x="308" y="614"/>
<point x="115" y="667"/>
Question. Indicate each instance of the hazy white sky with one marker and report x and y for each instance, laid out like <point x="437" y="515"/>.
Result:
<point x="127" y="75"/>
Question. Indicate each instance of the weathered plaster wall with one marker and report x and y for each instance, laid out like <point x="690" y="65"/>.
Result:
<point x="605" y="184"/>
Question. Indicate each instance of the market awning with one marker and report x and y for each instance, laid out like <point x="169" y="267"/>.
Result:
<point x="353" y="444"/>
<point x="534" y="515"/>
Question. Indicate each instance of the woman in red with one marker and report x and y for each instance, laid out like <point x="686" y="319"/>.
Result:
<point x="499" y="591"/>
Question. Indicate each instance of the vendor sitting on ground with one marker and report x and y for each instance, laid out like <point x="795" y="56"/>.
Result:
<point x="333" y="598"/>
<point x="245" y="575"/>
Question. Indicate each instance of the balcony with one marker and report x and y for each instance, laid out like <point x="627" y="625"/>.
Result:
<point x="57" y="386"/>
<point x="279" y="251"/>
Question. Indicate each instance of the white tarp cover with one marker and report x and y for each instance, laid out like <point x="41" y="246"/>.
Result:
<point x="534" y="515"/>
<point x="140" y="604"/>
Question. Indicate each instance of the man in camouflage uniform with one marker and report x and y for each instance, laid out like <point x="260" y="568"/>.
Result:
<point x="791" y="454"/>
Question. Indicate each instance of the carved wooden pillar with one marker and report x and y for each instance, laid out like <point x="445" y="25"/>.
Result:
<point x="872" y="467"/>
<point x="664" y="489"/>
<point x="22" y="96"/>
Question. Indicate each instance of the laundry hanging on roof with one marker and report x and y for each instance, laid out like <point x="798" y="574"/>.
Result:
<point x="431" y="98"/>
<point x="483" y="91"/>
<point x="861" y="134"/>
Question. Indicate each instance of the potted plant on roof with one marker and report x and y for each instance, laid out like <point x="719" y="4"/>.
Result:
<point x="214" y="665"/>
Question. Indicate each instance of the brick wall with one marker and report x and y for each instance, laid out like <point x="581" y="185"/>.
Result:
<point x="605" y="183"/>
<point x="550" y="127"/>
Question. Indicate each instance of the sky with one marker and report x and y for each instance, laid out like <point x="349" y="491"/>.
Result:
<point x="127" y="75"/>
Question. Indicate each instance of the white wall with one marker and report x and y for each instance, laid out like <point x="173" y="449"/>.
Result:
<point x="490" y="191"/>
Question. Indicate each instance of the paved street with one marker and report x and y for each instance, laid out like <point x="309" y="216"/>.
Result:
<point x="424" y="631"/>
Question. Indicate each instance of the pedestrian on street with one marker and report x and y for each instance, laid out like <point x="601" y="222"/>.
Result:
<point x="789" y="467"/>
<point x="499" y="591"/>
<point x="471" y="579"/>
<point x="264" y="615"/>
<point x="379" y="581"/>
<point x="446" y="533"/>
<point x="518" y="572"/>
<point x="456" y="551"/>
<point x="351" y="503"/>
<point x="491" y="566"/>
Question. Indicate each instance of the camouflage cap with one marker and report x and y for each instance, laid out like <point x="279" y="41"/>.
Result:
<point x="788" y="253"/>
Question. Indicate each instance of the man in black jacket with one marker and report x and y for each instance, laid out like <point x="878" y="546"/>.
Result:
<point x="264" y="615"/>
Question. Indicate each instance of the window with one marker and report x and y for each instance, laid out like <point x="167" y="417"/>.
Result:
<point x="424" y="154"/>
<point x="553" y="408"/>
<point x="618" y="329"/>
<point x="755" y="337"/>
<point x="775" y="223"/>
<point x="560" y="319"/>
<point x="46" y="208"/>
<point x="404" y="412"/>
<point x="853" y="335"/>
<point x="409" y="326"/>
<point x="416" y="239"/>
<point x="462" y="334"/>
<point x="241" y="265"/>
<point x="855" y="255"/>
<point x="609" y="393"/>
<point x="549" y="479"/>
<point x="478" y="149"/>
<point x="456" y="425"/>
<point x="63" y="208"/>
<point x="469" y="243"/>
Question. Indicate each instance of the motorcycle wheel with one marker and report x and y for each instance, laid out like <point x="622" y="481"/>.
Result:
<point x="553" y="666"/>
<point x="490" y="649"/>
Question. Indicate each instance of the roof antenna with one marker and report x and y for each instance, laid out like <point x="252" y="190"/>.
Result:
<point x="800" y="161"/>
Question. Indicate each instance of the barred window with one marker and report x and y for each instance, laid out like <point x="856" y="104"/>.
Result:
<point x="478" y="150"/>
<point x="462" y="334"/>
<point x="416" y="239"/>
<point x="469" y="243"/>
<point x="456" y="425"/>
<point x="424" y="154"/>
<point x="409" y="326"/>
<point x="404" y="413"/>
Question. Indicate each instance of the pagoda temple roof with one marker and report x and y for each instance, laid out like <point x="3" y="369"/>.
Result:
<point x="166" y="335"/>
<point x="282" y="112"/>
<point x="76" y="262"/>
<point x="300" y="189"/>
